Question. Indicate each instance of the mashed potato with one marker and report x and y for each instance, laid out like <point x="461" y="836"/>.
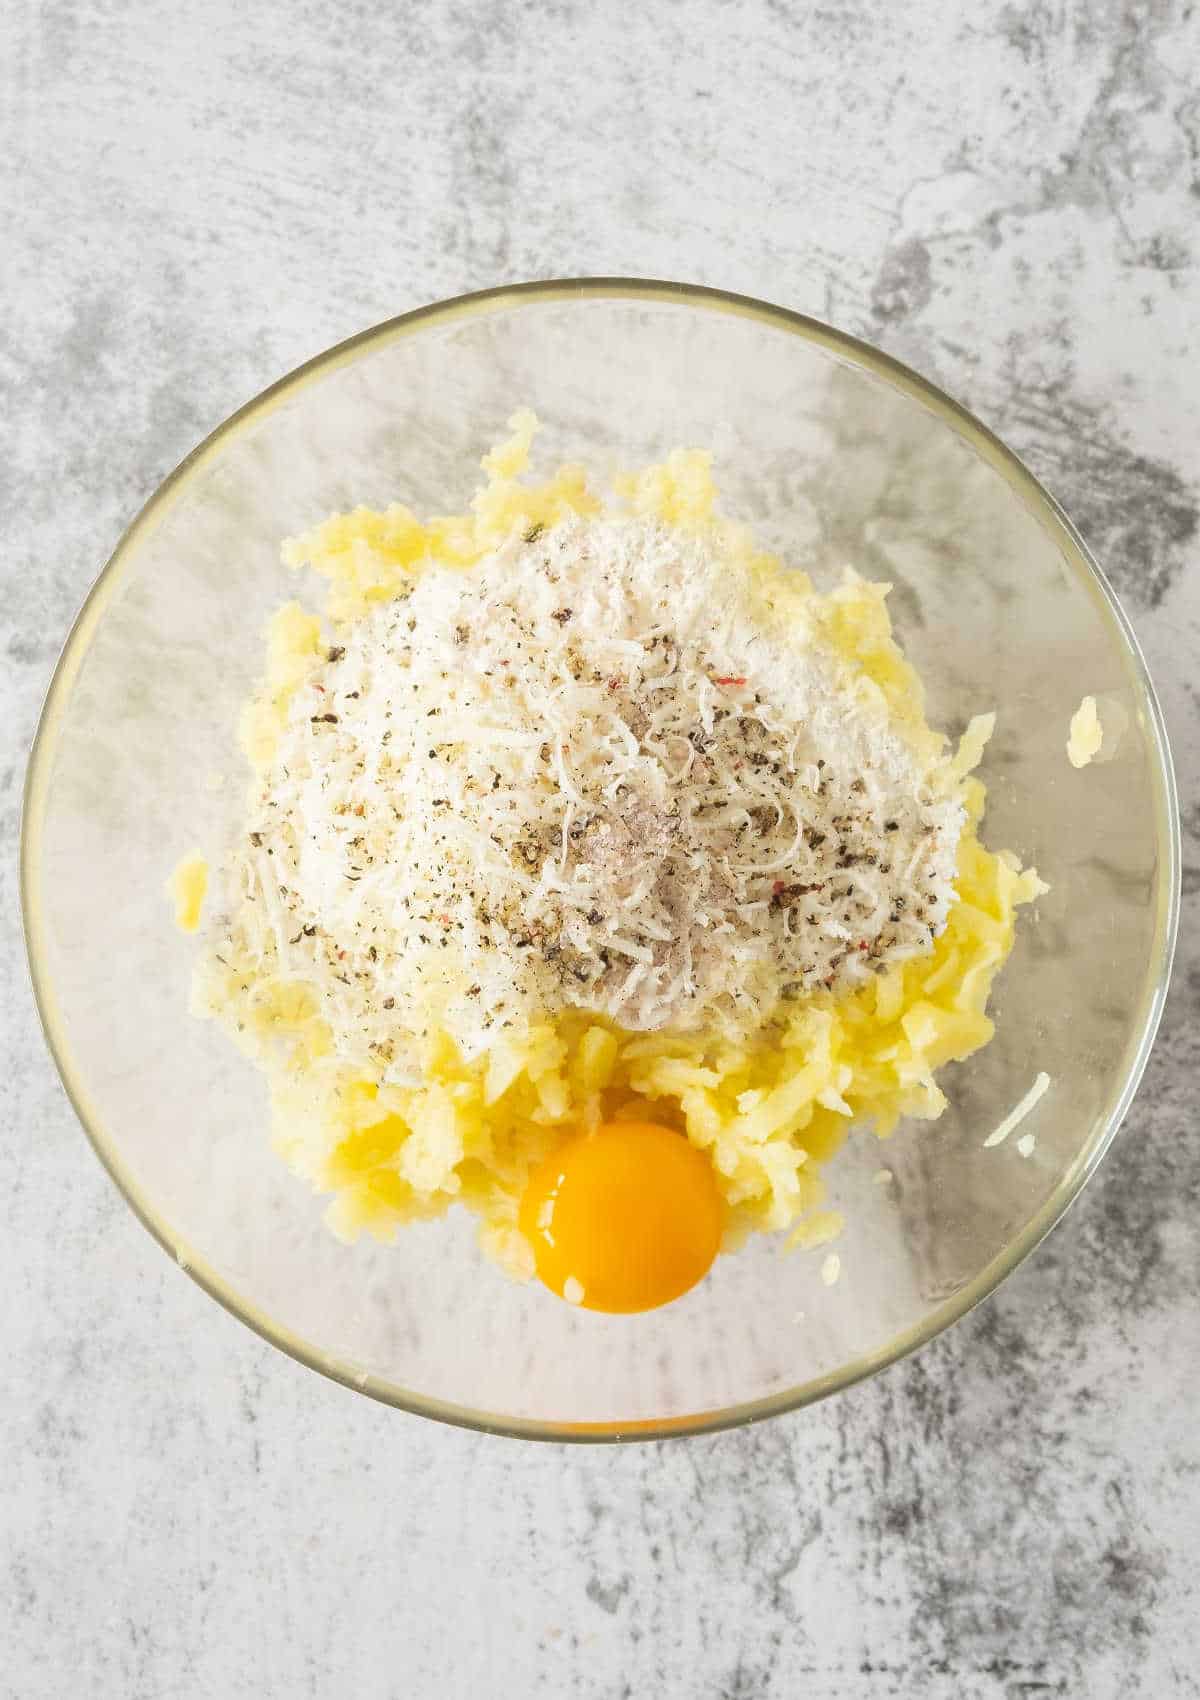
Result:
<point x="768" y="1109"/>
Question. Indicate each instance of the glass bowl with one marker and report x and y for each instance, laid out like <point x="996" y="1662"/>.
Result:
<point x="834" y="454"/>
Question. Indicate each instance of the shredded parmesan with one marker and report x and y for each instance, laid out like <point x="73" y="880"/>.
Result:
<point x="1016" y="1116"/>
<point x="831" y="1268"/>
<point x="600" y="769"/>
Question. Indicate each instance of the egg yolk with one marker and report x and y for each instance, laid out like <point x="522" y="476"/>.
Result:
<point x="623" y="1219"/>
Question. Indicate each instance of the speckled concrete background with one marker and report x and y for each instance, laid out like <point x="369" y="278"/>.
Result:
<point x="194" y="200"/>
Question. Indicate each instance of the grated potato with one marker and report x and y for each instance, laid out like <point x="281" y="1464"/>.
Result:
<point x="1086" y="734"/>
<point x="770" y="1107"/>
<point x="187" y="888"/>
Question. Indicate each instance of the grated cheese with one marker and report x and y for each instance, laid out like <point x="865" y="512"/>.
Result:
<point x="601" y="769"/>
<point x="1016" y="1116"/>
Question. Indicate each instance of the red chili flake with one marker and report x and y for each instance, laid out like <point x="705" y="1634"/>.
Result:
<point x="862" y="945"/>
<point x="445" y="920"/>
<point x="730" y="679"/>
<point x="780" y="885"/>
<point x="614" y="684"/>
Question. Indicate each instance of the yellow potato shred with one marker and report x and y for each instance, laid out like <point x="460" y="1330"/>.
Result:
<point x="769" y="1111"/>
<point x="187" y="888"/>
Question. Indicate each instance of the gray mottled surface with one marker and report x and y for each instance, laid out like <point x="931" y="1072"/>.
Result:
<point x="196" y="198"/>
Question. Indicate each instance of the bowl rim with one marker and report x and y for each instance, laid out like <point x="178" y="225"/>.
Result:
<point x="1025" y="486"/>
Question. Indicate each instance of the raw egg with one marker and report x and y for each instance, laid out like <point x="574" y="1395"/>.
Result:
<point x="623" y="1219"/>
